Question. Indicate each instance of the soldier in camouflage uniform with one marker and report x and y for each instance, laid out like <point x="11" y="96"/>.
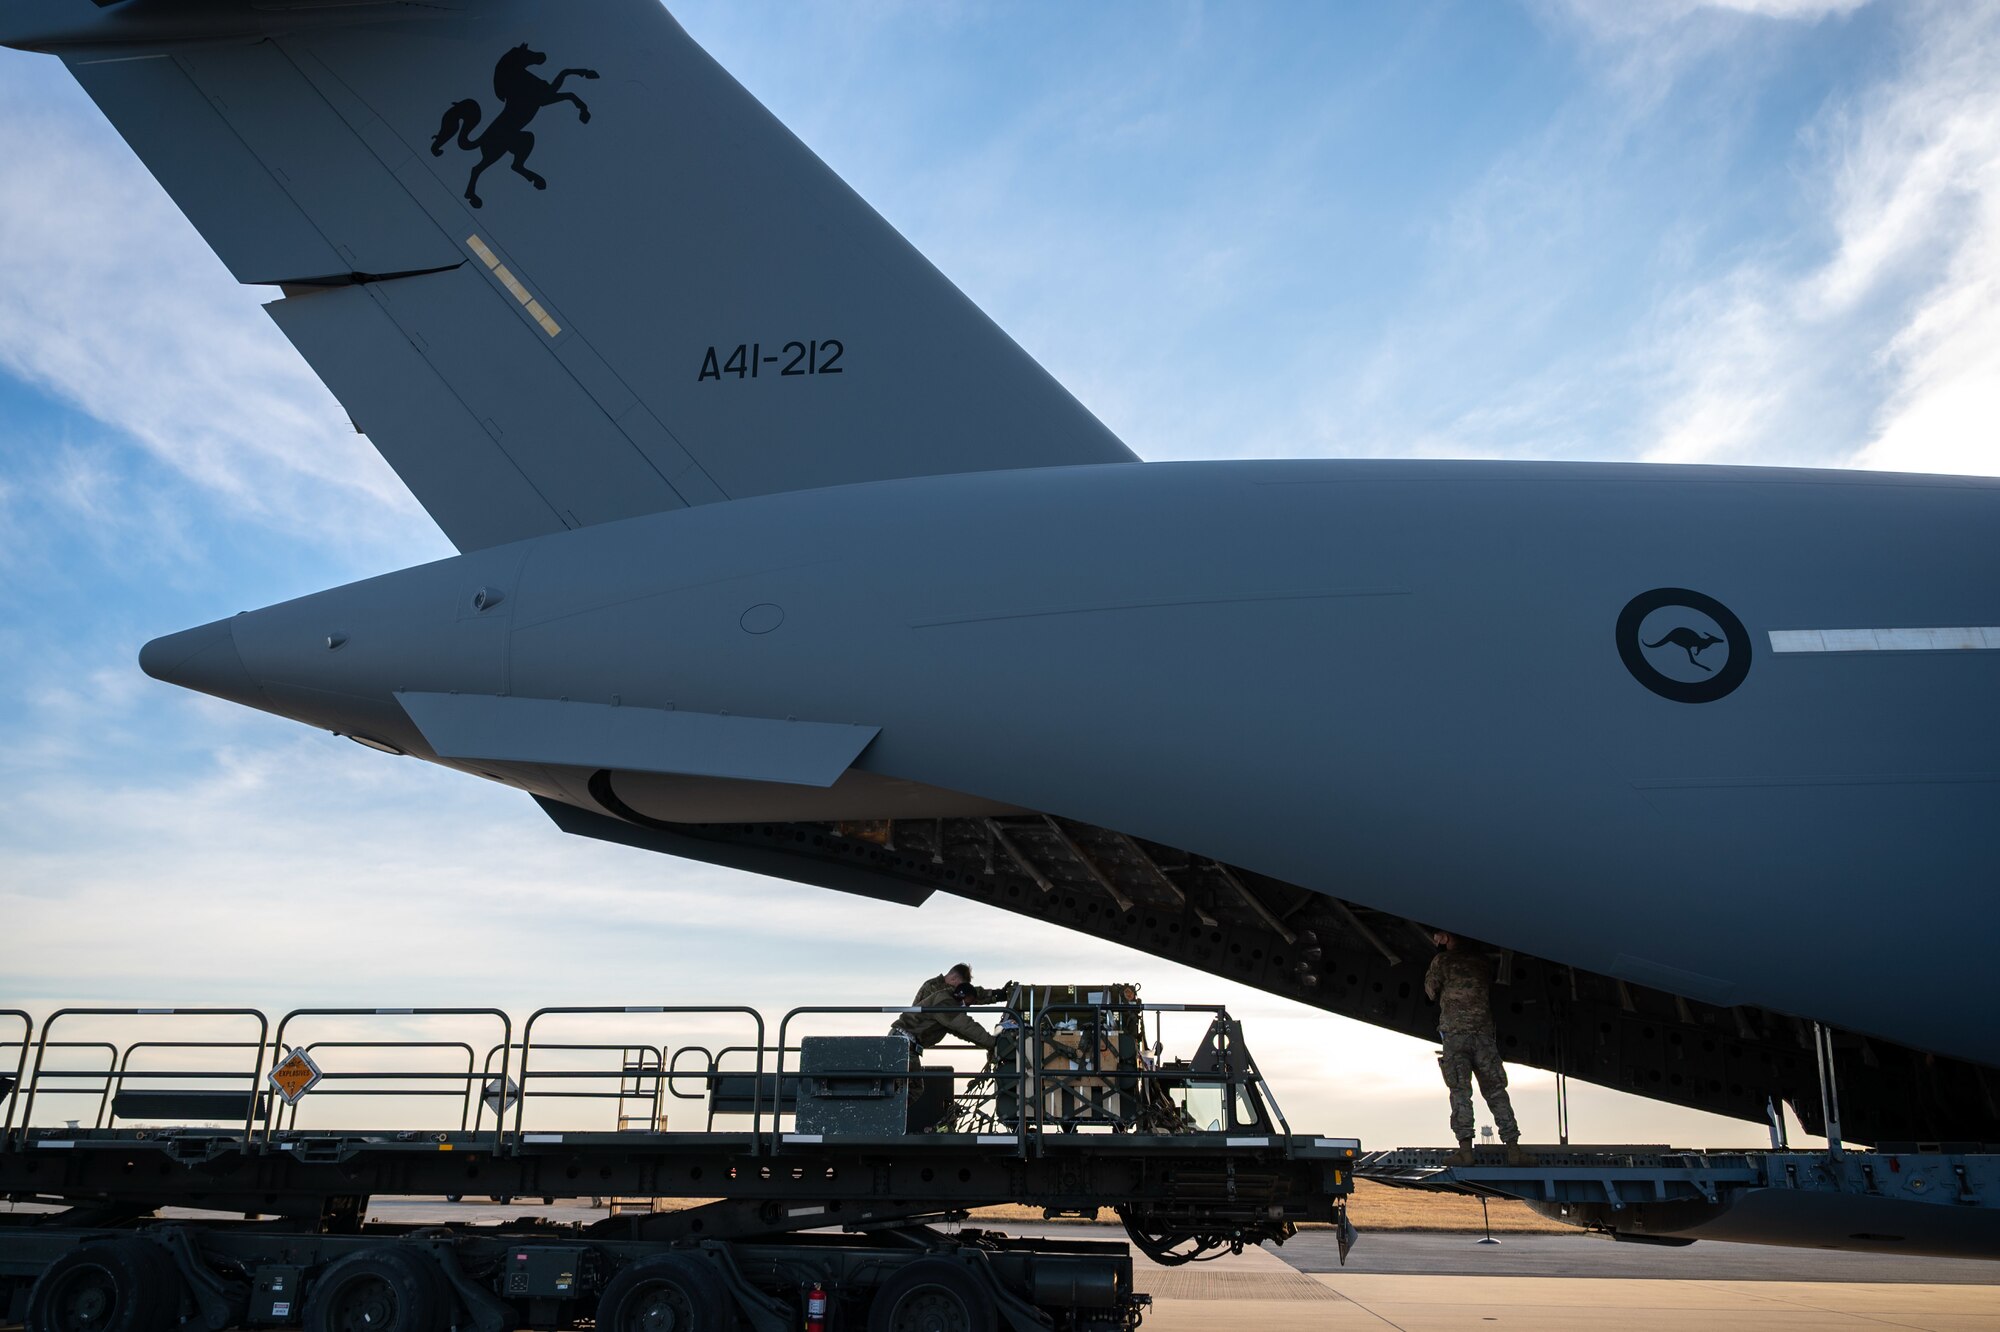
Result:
<point x="1461" y="982"/>
<point x="954" y="989"/>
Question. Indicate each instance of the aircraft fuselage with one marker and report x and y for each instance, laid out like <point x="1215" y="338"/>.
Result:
<point x="1437" y="689"/>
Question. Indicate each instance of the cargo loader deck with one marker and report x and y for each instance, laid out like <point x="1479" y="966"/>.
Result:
<point x="822" y="1170"/>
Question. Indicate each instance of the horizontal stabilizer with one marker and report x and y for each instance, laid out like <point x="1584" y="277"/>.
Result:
<point x="596" y="735"/>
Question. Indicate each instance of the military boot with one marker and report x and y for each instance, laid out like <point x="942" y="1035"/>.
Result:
<point x="1517" y="1155"/>
<point x="1463" y="1156"/>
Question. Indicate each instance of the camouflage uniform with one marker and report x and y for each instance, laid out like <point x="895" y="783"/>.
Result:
<point x="1462" y="982"/>
<point x="925" y="1029"/>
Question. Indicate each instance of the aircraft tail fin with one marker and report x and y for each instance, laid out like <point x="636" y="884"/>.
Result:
<point x="557" y="264"/>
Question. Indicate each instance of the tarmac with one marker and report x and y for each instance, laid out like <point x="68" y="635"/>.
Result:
<point x="1448" y="1282"/>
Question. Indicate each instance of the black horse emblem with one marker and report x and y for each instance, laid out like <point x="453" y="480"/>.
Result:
<point x="1694" y="643"/>
<point x="522" y="93"/>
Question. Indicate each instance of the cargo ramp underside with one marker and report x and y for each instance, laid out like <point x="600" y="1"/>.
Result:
<point x="1898" y="1199"/>
<point x="1337" y="954"/>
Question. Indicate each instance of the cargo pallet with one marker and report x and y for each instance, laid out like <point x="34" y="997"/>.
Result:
<point x="807" y="1210"/>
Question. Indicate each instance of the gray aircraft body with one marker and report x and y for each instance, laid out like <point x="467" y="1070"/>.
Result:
<point x="776" y="553"/>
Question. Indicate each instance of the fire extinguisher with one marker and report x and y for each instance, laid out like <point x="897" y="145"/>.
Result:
<point x="816" y="1307"/>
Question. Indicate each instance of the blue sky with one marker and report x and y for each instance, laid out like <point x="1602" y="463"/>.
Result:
<point x="1759" y="231"/>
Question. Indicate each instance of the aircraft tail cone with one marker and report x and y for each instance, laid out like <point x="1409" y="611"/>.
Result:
<point x="203" y="658"/>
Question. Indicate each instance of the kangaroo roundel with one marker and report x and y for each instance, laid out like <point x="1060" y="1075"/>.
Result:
<point x="522" y="93"/>
<point x="1683" y="645"/>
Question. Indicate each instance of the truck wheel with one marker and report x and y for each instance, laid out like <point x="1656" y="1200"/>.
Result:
<point x="673" y="1293"/>
<point x="125" y="1285"/>
<point x="931" y="1295"/>
<point x="383" y="1289"/>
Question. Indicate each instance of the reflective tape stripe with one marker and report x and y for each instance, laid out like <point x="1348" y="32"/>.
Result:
<point x="1979" y="638"/>
<point x="513" y="285"/>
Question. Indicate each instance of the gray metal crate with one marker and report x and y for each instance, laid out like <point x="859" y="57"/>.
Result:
<point x="854" y="1086"/>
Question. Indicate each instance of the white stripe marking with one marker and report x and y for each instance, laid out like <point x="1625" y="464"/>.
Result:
<point x="1982" y="638"/>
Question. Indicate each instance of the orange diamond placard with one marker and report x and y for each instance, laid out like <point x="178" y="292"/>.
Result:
<point x="294" y="1076"/>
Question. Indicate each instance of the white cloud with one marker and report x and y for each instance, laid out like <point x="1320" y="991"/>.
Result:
<point x="1922" y="189"/>
<point x="1623" y="20"/>
<point x="1870" y="335"/>
<point x="1782" y="9"/>
<point x="110" y="299"/>
<point x="1869" y="331"/>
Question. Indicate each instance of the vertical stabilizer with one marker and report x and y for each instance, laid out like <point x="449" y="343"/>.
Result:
<point x="558" y="265"/>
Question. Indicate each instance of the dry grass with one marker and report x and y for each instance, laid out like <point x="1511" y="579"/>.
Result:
<point x="1385" y="1207"/>
<point x="1382" y="1207"/>
<point x="1374" y="1207"/>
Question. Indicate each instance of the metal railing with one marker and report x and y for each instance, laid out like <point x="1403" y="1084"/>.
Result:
<point x="288" y="1115"/>
<point x="125" y="1070"/>
<point x="102" y="1077"/>
<point x="717" y="1070"/>
<point x="636" y="1064"/>
<point x="657" y="1074"/>
<point x="15" y="1089"/>
<point x="280" y="1052"/>
<point x="1071" y="1066"/>
<point x="117" y="1072"/>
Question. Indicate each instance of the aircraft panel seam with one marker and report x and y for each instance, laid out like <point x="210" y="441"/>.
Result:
<point x="1151" y="603"/>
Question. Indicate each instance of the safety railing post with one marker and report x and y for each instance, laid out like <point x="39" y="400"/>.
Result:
<point x="15" y="1092"/>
